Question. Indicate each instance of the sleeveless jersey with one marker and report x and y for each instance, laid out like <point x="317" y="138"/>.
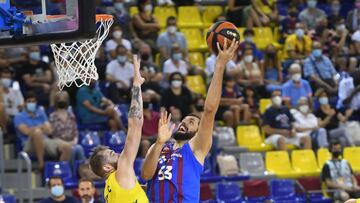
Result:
<point x="177" y="177"/>
<point x="113" y="193"/>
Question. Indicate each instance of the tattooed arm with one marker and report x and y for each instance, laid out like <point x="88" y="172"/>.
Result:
<point x="125" y="172"/>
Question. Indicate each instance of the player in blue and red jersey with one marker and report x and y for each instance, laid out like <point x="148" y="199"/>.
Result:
<point x="173" y="168"/>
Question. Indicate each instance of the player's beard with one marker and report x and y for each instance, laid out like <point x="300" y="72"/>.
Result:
<point x="181" y="136"/>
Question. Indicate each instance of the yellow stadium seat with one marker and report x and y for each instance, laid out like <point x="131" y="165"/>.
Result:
<point x="276" y="34"/>
<point x="194" y="40"/>
<point x="189" y="17"/>
<point x="278" y="163"/>
<point x="352" y="155"/>
<point x="196" y="84"/>
<point x="134" y="10"/>
<point x="249" y="136"/>
<point x="263" y="37"/>
<point x="304" y="162"/>
<point x="323" y="155"/>
<point x="241" y="33"/>
<point x="210" y="14"/>
<point x="264" y="104"/>
<point x="162" y="13"/>
<point x="197" y="58"/>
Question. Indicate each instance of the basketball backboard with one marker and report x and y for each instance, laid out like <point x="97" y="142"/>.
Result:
<point x="28" y="22"/>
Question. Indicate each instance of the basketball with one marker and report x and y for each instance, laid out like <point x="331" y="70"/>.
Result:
<point x="218" y="32"/>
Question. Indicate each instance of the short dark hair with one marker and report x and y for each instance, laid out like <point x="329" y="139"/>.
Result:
<point x="193" y="115"/>
<point x="87" y="180"/>
<point x="97" y="160"/>
<point x="249" y="31"/>
<point x="169" y="19"/>
<point x="119" y="47"/>
<point x="54" y="178"/>
<point x="140" y="3"/>
<point x="29" y="95"/>
<point x="172" y="75"/>
<point x="333" y="143"/>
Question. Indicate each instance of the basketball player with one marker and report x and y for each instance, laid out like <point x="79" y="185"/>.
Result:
<point x="121" y="184"/>
<point x="173" y="169"/>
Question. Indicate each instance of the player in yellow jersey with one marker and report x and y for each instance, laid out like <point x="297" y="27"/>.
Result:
<point x="121" y="184"/>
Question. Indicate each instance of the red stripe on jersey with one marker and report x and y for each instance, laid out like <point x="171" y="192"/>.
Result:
<point x="171" y="186"/>
<point x="179" y="179"/>
<point x="153" y="188"/>
<point x="161" y="190"/>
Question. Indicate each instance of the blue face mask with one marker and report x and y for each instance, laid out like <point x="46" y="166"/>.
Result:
<point x="57" y="191"/>
<point x="317" y="53"/>
<point x="323" y="100"/>
<point x="6" y="82"/>
<point x="31" y="107"/>
<point x="299" y="33"/>
<point x="177" y="56"/>
<point x="35" y="56"/>
<point x="122" y="59"/>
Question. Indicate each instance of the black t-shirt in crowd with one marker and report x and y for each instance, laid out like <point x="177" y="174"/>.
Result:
<point x="33" y="69"/>
<point x="67" y="200"/>
<point x="334" y="122"/>
<point x="279" y="118"/>
<point x="182" y="101"/>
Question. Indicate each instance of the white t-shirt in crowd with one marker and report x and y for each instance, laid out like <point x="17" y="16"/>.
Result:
<point x="304" y="121"/>
<point x="170" y="67"/>
<point x="124" y="73"/>
<point x="12" y="100"/>
<point x="210" y="65"/>
<point x="112" y="44"/>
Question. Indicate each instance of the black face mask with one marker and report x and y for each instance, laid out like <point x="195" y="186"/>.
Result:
<point x="62" y="104"/>
<point x="336" y="154"/>
<point x="199" y="108"/>
<point x="146" y="105"/>
<point x="145" y="57"/>
<point x="180" y="136"/>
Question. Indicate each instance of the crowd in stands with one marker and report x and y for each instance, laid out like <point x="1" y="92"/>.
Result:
<point x="310" y="72"/>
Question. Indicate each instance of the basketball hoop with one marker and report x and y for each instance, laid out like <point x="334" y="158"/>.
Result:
<point x="75" y="62"/>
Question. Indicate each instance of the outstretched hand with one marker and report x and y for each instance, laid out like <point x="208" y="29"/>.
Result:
<point x="138" y="79"/>
<point x="227" y="53"/>
<point x="165" y="130"/>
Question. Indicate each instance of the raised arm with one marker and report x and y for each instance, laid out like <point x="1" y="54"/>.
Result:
<point x="128" y="155"/>
<point x="202" y="141"/>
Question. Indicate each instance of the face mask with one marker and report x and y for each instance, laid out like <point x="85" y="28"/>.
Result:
<point x="311" y="4"/>
<point x="357" y="5"/>
<point x="304" y="108"/>
<point x="145" y="57"/>
<point x="122" y="59"/>
<point x="146" y="105"/>
<point x="117" y="34"/>
<point x="119" y="6"/>
<point x="323" y="100"/>
<point x="176" y="83"/>
<point x="336" y="154"/>
<point x="277" y="100"/>
<point x="296" y="77"/>
<point x="199" y="108"/>
<point x="31" y="107"/>
<point x="317" y="53"/>
<point x="248" y="39"/>
<point x="177" y="56"/>
<point x="62" y="104"/>
<point x="341" y="27"/>
<point x="248" y="58"/>
<point x="171" y="29"/>
<point x="35" y="56"/>
<point x="6" y="82"/>
<point x="57" y="191"/>
<point x="148" y="8"/>
<point x="335" y="9"/>
<point x="299" y="33"/>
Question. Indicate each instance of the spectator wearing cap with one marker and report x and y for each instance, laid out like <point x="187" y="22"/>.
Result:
<point x="115" y="40"/>
<point x="57" y="191"/>
<point x="175" y="63"/>
<point x="296" y="87"/>
<point x="311" y="14"/>
<point x="171" y="36"/>
<point x="299" y="42"/>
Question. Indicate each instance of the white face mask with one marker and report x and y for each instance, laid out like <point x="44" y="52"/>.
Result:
<point x="119" y="6"/>
<point x="304" y="108"/>
<point x="296" y="77"/>
<point x="148" y="8"/>
<point x="277" y="100"/>
<point x="176" y="83"/>
<point x="248" y="58"/>
<point x="171" y="29"/>
<point x="117" y="34"/>
<point x="248" y="39"/>
<point x="323" y="100"/>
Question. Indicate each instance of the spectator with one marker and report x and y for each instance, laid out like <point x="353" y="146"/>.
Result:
<point x="210" y="65"/>
<point x="295" y="88"/>
<point x="37" y="76"/>
<point x="64" y="125"/>
<point x="249" y="35"/>
<point x="177" y="95"/>
<point x="232" y="105"/>
<point x="122" y="18"/>
<point x="171" y="36"/>
<point x="175" y="63"/>
<point x="94" y="108"/>
<point x="251" y="98"/>
<point x="119" y="72"/>
<point x="101" y="62"/>
<point x="311" y="14"/>
<point x="335" y="14"/>
<point x="33" y="130"/>
<point x="356" y="41"/>
<point x="199" y="105"/>
<point x="320" y="70"/>
<point x="278" y="125"/>
<point x="299" y="42"/>
<point x="145" y="25"/>
<point x="287" y="25"/>
<point x="116" y="40"/>
<point x="307" y="124"/>
<point x="337" y="174"/>
<point x="273" y="76"/>
<point x="353" y="17"/>
<point x="323" y="35"/>
<point x="87" y="191"/>
<point x="57" y="192"/>
<point x="242" y="14"/>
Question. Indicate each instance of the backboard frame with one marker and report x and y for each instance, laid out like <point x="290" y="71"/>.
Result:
<point x="86" y="30"/>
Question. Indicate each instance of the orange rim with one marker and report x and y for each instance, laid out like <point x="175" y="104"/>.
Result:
<point x="55" y="16"/>
<point x="104" y="17"/>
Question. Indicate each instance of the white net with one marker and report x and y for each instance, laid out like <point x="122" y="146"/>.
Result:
<point x="75" y="62"/>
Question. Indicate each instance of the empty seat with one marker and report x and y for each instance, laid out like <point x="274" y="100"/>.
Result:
<point x="352" y="155"/>
<point x="8" y="198"/>
<point x="241" y="33"/>
<point x="134" y="10"/>
<point x="253" y="164"/>
<point x="196" y="84"/>
<point x="89" y="140"/>
<point x="304" y="162"/>
<point x="264" y="104"/>
<point x="61" y="169"/>
<point x="115" y="140"/>
<point x="284" y="191"/>
<point x="189" y="17"/>
<point x="195" y="40"/>
<point x="323" y="155"/>
<point x="210" y="14"/>
<point x="263" y="37"/>
<point x="162" y="13"/>
<point x="278" y="162"/>
<point x="249" y="136"/>
<point x="197" y="59"/>
<point x="228" y="193"/>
